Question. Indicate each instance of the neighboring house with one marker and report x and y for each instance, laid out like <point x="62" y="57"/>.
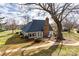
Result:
<point x="37" y="29"/>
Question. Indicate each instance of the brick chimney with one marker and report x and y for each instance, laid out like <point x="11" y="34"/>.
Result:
<point x="46" y="27"/>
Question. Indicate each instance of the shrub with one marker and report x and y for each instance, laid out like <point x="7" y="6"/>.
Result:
<point x="21" y="33"/>
<point x="17" y="33"/>
<point x="78" y="31"/>
<point x="1" y="30"/>
<point x="37" y="40"/>
<point x="65" y="30"/>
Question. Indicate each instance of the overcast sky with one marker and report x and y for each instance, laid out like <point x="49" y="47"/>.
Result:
<point x="17" y="12"/>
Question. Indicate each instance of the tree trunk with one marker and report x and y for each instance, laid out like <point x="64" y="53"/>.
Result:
<point x="69" y="30"/>
<point x="12" y="31"/>
<point x="59" y="36"/>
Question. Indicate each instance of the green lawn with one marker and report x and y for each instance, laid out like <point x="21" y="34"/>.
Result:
<point x="49" y="51"/>
<point x="55" y="51"/>
<point x="12" y="41"/>
<point x="5" y="35"/>
<point x="72" y="36"/>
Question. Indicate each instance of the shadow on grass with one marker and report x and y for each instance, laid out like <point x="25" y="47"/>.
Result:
<point x="33" y="43"/>
<point x="19" y="52"/>
<point x="2" y="30"/>
<point x="16" y="52"/>
<point x="45" y="52"/>
<point x="49" y="51"/>
<point x="4" y="52"/>
<point x="15" y="39"/>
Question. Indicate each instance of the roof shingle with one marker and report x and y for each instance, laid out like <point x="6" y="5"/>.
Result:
<point x="34" y="26"/>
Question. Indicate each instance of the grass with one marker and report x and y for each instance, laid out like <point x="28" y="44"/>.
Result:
<point x="13" y="41"/>
<point x="5" y="35"/>
<point x="54" y="51"/>
<point x="49" y="51"/>
<point x="1" y="30"/>
<point x="73" y="36"/>
<point x="21" y="46"/>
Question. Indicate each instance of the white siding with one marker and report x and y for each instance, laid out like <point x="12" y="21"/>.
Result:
<point x="38" y="35"/>
<point x="31" y="35"/>
<point x="41" y="34"/>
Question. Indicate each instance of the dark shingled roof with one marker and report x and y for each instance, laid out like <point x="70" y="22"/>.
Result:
<point x="34" y="26"/>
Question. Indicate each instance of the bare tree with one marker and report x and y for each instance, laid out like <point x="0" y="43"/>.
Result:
<point x="13" y="26"/>
<point x="26" y="19"/>
<point x="70" y="24"/>
<point x="58" y="13"/>
<point x="0" y="22"/>
<point x="24" y="10"/>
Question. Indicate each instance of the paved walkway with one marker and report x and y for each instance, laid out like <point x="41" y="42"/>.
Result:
<point x="35" y="47"/>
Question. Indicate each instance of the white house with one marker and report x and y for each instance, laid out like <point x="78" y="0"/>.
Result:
<point x="37" y="29"/>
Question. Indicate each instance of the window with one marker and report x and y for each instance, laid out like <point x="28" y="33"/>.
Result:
<point x="33" y="34"/>
<point x="29" y="35"/>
